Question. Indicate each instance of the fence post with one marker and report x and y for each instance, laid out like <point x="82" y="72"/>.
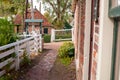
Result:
<point x="28" y="48"/>
<point x="35" y="41"/>
<point x="72" y="30"/>
<point x="17" y="60"/>
<point x="52" y="35"/>
<point x="40" y="42"/>
<point x="24" y="34"/>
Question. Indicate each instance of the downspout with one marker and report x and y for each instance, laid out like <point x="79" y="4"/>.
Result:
<point x="114" y="49"/>
<point x="115" y="33"/>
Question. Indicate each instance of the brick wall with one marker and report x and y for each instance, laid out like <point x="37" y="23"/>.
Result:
<point x="80" y="28"/>
<point x="82" y="35"/>
<point x="79" y="39"/>
<point x="37" y="28"/>
<point x="95" y="51"/>
<point x="95" y="44"/>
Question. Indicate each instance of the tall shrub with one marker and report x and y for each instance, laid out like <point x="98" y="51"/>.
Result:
<point x="6" y="32"/>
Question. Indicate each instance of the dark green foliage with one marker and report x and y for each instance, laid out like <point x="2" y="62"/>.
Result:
<point x="47" y="38"/>
<point x="65" y="49"/>
<point x="6" y="32"/>
<point x="71" y="51"/>
<point x="67" y="25"/>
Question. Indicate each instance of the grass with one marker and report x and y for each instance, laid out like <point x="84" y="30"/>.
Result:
<point x="6" y="77"/>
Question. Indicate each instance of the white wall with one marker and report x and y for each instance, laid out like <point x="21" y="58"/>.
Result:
<point x="105" y="43"/>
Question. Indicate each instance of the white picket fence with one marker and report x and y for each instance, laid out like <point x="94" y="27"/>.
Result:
<point x="30" y="45"/>
<point x="53" y="34"/>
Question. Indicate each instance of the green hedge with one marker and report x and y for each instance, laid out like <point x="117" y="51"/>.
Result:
<point x="47" y="38"/>
<point x="63" y="35"/>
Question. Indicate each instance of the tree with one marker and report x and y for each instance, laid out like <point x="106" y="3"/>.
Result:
<point x="7" y="34"/>
<point x="8" y="8"/>
<point x="11" y="7"/>
<point x="59" y="10"/>
<point x="48" y="16"/>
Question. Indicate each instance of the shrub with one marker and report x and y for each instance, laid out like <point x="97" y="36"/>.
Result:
<point x="65" y="61"/>
<point x="63" y="34"/>
<point x="65" y="49"/>
<point x="47" y="38"/>
<point x="6" y="32"/>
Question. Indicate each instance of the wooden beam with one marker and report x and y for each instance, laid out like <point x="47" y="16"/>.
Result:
<point x="115" y="12"/>
<point x="34" y="20"/>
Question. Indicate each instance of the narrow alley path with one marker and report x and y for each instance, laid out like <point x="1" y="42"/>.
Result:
<point x="42" y="69"/>
<point x="47" y="66"/>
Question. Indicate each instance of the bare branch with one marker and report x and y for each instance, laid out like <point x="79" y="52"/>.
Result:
<point x="63" y="11"/>
<point x="52" y="5"/>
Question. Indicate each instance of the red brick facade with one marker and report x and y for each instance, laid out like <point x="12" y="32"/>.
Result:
<point x="93" y="26"/>
<point x="79" y="33"/>
<point x="37" y="15"/>
<point x="95" y="44"/>
<point x="95" y="52"/>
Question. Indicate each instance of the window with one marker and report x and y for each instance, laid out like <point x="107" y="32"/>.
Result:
<point x="45" y="30"/>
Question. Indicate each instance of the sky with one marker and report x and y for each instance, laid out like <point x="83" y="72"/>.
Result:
<point x="35" y="3"/>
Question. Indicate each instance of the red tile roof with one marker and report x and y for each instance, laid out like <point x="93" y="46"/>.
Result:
<point x="37" y="15"/>
<point x="18" y="19"/>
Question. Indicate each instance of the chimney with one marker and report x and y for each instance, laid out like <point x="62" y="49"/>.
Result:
<point x="40" y="7"/>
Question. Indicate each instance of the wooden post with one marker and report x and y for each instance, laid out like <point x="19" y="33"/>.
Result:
<point x="40" y="37"/>
<point x="28" y="49"/>
<point x="35" y="41"/>
<point x="40" y="43"/>
<point x="17" y="61"/>
<point x="52" y="35"/>
<point x="72" y="31"/>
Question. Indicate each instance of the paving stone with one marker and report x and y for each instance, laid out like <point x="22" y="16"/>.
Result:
<point x="41" y="71"/>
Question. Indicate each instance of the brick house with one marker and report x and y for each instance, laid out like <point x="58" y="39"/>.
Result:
<point x="97" y="39"/>
<point x="46" y="26"/>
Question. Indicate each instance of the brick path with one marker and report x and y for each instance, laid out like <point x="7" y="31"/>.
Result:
<point x="41" y="71"/>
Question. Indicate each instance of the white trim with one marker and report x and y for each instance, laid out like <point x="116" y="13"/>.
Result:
<point x="87" y="39"/>
<point x="105" y="43"/>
